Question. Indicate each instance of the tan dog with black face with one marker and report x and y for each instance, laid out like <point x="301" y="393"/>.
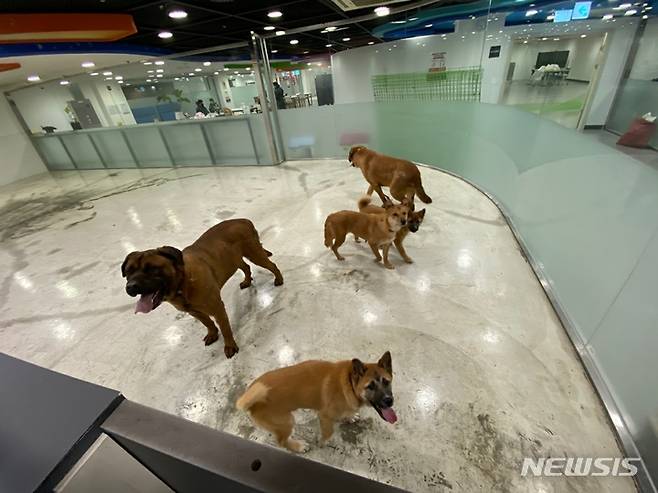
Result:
<point x="335" y="390"/>
<point x="414" y="220"/>
<point x="401" y="176"/>
<point x="377" y="229"/>
<point x="192" y="280"/>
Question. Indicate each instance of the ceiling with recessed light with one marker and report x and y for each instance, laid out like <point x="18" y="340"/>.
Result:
<point x="175" y="27"/>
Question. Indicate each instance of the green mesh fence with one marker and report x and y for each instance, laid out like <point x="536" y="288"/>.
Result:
<point x="463" y="84"/>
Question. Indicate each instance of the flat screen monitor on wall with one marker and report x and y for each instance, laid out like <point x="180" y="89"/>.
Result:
<point x="552" y="57"/>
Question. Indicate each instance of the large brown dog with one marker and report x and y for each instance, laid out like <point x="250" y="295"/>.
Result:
<point x="414" y="220"/>
<point x="335" y="390"/>
<point x="191" y="280"/>
<point x="401" y="176"/>
<point x="377" y="229"/>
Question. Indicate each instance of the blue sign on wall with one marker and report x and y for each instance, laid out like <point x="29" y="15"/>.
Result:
<point x="562" y="15"/>
<point x="581" y="10"/>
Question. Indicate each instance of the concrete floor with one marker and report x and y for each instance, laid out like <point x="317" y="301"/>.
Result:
<point x="484" y="375"/>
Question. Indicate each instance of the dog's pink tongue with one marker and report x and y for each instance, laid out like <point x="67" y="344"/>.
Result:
<point x="144" y="303"/>
<point x="389" y="415"/>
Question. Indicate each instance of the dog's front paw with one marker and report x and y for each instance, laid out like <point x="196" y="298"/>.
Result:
<point x="245" y="284"/>
<point x="210" y="338"/>
<point x="409" y="260"/>
<point x="377" y="259"/>
<point x="230" y="351"/>
<point x="352" y="419"/>
<point x="298" y="446"/>
<point x="389" y="266"/>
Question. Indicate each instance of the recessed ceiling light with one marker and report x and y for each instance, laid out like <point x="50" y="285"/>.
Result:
<point x="120" y="82"/>
<point x="544" y="39"/>
<point x="160" y="70"/>
<point x="88" y="64"/>
<point x="148" y="80"/>
<point x="269" y="28"/>
<point x="197" y="69"/>
<point x="346" y="39"/>
<point x="630" y="12"/>
<point x="177" y="14"/>
<point x="108" y="78"/>
<point x="607" y="17"/>
<point x="148" y="63"/>
<point x="583" y="35"/>
<point x="371" y="42"/>
<point x="33" y="78"/>
<point x="93" y="74"/>
<point x="275" y="14"/>
<point x="306" y="52"/>
<point x="226" y="69"/>
<point x="159" y="62"/>
<point x="293" y="41"/>
<point x="280" y="33"/>
<point x="382" y="11"/>
<point x="623" y="6"/>
<point x="556" y="39"/>
<point x="64" y="82"/>
<point x="398" y="22"/>
<point x="531" y="12"/>
<point x="328" y="45"/>
<point x="165" y="34"/>
<point x="150" y="71"/>
<point x="550" y="17"/>
<point x="331" y="28"/>
<point x="107" y="73"/>
<point x="118" y="77"/>
<point x="206" y="64"/>
<point x="525" y="42"/>
<point x="275" y="51"/>
<point x="645" y="17"/>
<point x="413" y="18"/>
<point x="215" y="73"/>
<point x="236" y="72"/>
<point x="308" y="63"/>
<point x="428" y="25"/>
<point x="159" y="76"/>
<point x="191" y="73"/>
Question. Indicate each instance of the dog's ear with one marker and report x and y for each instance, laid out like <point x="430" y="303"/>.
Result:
<point x="173" y="254"/>
<point x="358" y="369"/>
<point x="388" y="204"/>
<point x="125" y="263"/>
<point x="353" y="151"/>
<point x="421" y="213"/>
<point x="385" y="362"/>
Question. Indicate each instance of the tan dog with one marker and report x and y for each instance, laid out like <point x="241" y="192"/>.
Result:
<point x="335" y="390"/>
<point x="377" y="229"/>
<point x="414" y="220"/>
<point x="192" y="280"/>
<point x="401" y="176"/>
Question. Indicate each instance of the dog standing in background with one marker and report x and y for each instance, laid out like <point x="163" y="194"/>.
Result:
<point x="400" y="176"/>
<point x="377" y="229"/>
<point x="414" y="220"/>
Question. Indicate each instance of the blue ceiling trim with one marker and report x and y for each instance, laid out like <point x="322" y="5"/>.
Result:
<point x="31" y="49"/>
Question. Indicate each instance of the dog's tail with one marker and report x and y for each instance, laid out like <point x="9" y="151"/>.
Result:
<point x="364" y="201"/>
<point x="256" y="393"/>
<point x="328" y="234"/>
<point x="420" y="191"/>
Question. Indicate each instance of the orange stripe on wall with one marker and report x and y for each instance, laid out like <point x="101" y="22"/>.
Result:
<point x="4" y="67"/>
<point x="26" y="28"/>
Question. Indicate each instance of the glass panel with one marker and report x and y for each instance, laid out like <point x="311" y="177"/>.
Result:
<point x="53" y="152"/>
<point x="113" y="148"/>
<point x="148" y="146"/>
<point x="82" y="151"/>
<point x="231" y="139"/>
<point x="187" y="144"/>
<point x="639" y="93"/>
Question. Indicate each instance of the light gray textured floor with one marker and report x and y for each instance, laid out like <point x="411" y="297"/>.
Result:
<point x="484" y="375"/>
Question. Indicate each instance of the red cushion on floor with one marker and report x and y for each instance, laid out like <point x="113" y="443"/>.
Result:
<point x="639" y="134"/>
